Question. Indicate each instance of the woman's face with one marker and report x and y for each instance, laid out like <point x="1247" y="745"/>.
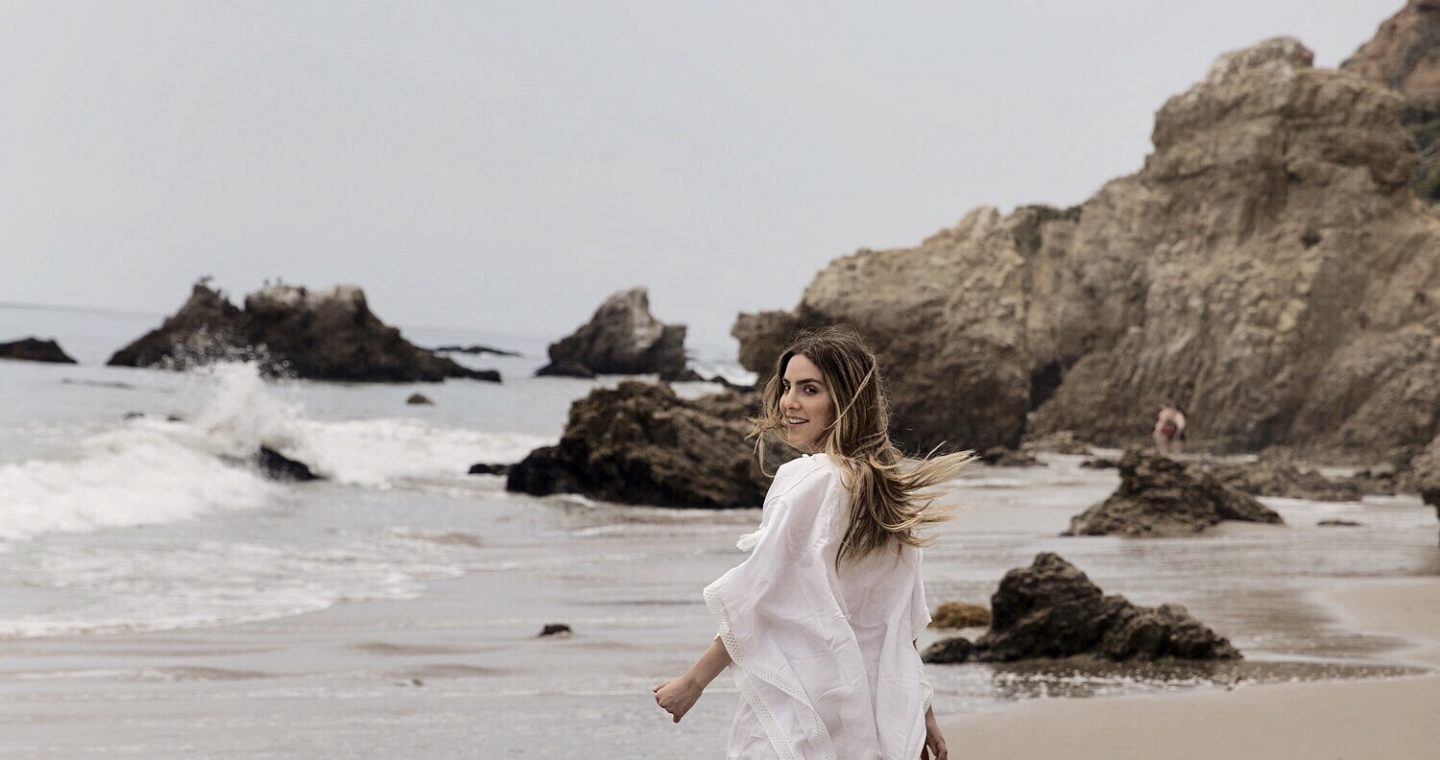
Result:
<point x="806" y="405"/>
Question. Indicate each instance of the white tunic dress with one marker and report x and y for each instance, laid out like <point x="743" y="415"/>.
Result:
<point x="824" y="661"/>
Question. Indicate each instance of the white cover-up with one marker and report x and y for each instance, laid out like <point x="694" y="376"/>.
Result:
<point x="825" y="662"/>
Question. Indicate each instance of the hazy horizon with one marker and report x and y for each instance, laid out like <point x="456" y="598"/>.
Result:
<point x="505" y="166"/>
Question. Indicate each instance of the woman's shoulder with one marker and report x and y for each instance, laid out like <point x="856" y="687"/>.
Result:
<point x="805" y="472"/>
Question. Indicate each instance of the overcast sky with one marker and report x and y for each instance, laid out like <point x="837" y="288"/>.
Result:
<point x="506" y="165"/>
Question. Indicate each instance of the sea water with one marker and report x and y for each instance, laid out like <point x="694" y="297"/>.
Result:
<point x="160" y="598"/>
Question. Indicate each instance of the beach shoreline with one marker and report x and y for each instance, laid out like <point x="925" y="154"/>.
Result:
<point x="1384" y="719"/>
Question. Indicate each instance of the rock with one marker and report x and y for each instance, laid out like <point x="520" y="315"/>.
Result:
<point x="1267" y="269"/>
<point x="277" y="466"/>
<point x="1402" y="55"/>
<point x="35" y="350"/>
<point x="554" y="629"/>
<point x="474" y="350"/>
<point x="949" y="651"/>
<point x="1061" y="442"/>
<point x="1386" y="479"/>
<point x="1338" y="524"/>
<point x="1405" y="55"/>
<point x="317" y="335"/>
<point x="419" y="399"/>
<point x="96" y="383"/>
<point x="1426" y="468"/>
<point x="622" y="338"/>
<point x="488" y="469"/>
<point x="641" y="444"/>
<point x="1100" y="463"/>
<point x="1052" y="610"/>
<point x="960" y="615"/>
<point x="1000" y="456"/>
<point x="1160" y="497"/>
<point x="1274" y="476"/>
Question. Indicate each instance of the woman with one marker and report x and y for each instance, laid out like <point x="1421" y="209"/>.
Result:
<point x="821" y="620"/>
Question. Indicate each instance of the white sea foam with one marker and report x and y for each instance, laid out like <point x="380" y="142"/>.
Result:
<point x="149" y="471"/>
<point x="217" y="583"/>
<point x="125" y="477"/>
<point x="377" y="453"/>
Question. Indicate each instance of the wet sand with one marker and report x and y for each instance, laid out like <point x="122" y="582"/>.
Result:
<point x="1393" y="719"/>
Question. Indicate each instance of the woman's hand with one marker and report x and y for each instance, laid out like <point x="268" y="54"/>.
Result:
<point x="678" y="695"/>
<point x="934" y="743"/>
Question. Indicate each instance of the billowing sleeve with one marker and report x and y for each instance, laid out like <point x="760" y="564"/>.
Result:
<point x="794" y="656"/>
<point x="919" y="619"/>
<point x="919" y="607"/>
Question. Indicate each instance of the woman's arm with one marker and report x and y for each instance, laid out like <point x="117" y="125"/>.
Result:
<point x="935" y="748"/>
<point x="678" y="695"/>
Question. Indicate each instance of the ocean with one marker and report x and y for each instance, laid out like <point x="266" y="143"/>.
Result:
<point x="159" y="599"/>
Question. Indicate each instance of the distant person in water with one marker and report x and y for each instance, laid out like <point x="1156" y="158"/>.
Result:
<point x="1170" y="430"/>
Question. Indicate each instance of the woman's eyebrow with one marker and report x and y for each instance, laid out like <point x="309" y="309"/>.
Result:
<point x="809" y="380"/>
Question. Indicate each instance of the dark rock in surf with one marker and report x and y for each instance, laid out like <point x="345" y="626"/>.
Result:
<point x="419" y="399"/>
<point x="488" y="469"/>
<point x="277" y="466"/>
<point x="35" y="350"/>
<point x="639" y="443"/>
<point x="1052" y="610"/>
<point x="294" y="331"/>
<point x="1161" y="497"/>
<point x="474" y="350"/>
<point x="622" y="338"/>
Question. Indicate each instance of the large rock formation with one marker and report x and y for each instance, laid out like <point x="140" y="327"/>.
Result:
<point x="1405" y="56"/>
<point x="317" y="335"/>
<point x="1160" y="497"/>
<point x="1267" y="269"/>
<point x="623" y="338"/>
<point x="1052" y="610"/>
<point x="641" y="444"/>
<point x="35" y="350"/>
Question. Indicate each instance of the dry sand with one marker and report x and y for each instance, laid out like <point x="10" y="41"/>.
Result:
<point x="1395" y="719"/>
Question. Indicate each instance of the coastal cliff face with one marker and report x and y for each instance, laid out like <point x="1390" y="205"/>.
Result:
<point x="1267" y="269"/>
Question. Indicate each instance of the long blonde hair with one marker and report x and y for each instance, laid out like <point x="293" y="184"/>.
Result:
<point x="888" y="501"/>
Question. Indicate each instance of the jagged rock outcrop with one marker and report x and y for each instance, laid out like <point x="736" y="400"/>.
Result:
<point x="1267" y="269"/>
<point x="1052" y="610"/>
<point x="35" y="350"/>
<point x="622" y="338"/>
<point x="1160" y="497"/>
<point x="316" y="335"/>
<point x="641" y="444"/>
<point x="1275" y="476"/>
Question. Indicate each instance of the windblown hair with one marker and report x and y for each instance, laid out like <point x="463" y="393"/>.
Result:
<point x="888" y="500"/>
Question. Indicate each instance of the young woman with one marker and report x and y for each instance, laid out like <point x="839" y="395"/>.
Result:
<point x="820" y="621"/>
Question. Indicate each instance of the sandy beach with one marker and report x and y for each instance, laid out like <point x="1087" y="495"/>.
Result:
<point x="1394" y="719"/>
